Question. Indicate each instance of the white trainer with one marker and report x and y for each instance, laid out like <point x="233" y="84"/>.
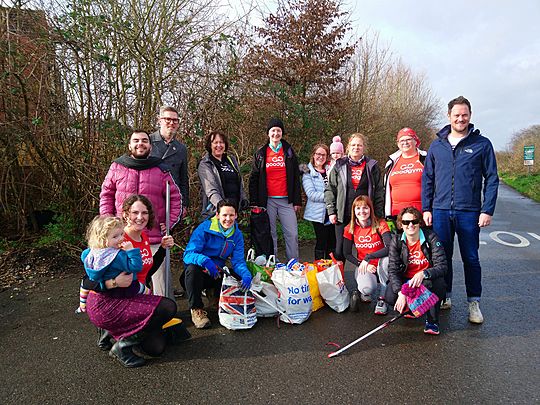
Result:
<point x="475" y="315"/>
<point x="447" y="303"/>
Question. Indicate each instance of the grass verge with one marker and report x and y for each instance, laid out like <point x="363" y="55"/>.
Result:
<point x="526" y="185"/>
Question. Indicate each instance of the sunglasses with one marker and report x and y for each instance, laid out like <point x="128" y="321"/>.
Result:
<point x="406" y="222"/>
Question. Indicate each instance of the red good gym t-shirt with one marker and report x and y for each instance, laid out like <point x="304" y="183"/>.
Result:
<point x="356" y="174"/>
<point x="276" y="174"/>
<point x="146" y="254"/>
<point x="417" y="260"/>
<point x="367" y="242"/>
<point x="406" y="184"/>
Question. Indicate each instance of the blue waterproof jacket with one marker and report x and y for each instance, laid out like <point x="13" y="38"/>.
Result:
<point x="462" y="179"/>
<point x="208" y="242"/>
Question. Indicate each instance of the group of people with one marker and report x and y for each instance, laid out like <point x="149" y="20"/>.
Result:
<point x="353" y="206"/>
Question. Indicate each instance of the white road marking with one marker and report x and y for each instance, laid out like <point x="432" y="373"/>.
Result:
<point x="534" y="235"/>
<point x="523" y="242"/>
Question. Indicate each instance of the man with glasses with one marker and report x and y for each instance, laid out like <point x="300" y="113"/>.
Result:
<point x="137" y="172"/>
<point x="171" y="151"/>
<point x="460" y="169"/>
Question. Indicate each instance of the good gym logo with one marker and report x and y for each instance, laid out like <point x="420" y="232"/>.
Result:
<point x="365" y="242"/>
<point x="408" y="168"/>
<point x="276" y="161"/>
<point x="417" y="258"/>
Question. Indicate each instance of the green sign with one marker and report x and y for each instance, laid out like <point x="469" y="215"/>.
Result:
<point x="528" y="155"/>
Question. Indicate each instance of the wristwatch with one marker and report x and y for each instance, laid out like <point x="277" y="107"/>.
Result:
<point x="116" y="285"/>
<point x="426" y="275"/>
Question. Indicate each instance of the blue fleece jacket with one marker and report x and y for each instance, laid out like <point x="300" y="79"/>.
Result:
<point x="208" y="242"/>
<point x="462" y="179"/>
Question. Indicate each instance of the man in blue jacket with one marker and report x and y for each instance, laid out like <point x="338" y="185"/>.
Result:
<point x="211" y="244"/>
<point x="459" y="191"/>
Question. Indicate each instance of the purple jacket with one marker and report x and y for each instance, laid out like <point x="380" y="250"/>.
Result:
<point x="148" y="177"/>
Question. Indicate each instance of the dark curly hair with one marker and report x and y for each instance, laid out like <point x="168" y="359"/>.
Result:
<point x="132" y="199"/>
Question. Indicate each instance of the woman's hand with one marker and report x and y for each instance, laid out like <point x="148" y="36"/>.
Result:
<point x="417" y="279"/>
<point x="126" y="245"/>
<point x="333" y="218"/>
<point x="372" y="269"/>
<point x="363" y="267"/>
<point x="123" y="280"/>
<point x="167" y="242"/>
<point x="297" y="208"/>
<point x="400" y="303"/>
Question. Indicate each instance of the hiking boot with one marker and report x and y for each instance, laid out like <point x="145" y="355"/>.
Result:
<point x="446" y="303"/>
<point x="365" y="298"/>
<point x="382" y="307"/>
<point x="475" y="315"/>
<point x="355" y="301"/>
<point x="199" y="318"/>
<point x="431" y="328"/>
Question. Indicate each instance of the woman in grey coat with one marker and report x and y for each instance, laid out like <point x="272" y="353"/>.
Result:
<point x="219" y="175"/>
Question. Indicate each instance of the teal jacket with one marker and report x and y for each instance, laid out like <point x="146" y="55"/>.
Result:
<point x="208" y="242"/>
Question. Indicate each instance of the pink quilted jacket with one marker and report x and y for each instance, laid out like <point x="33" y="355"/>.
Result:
<point x="121" y="182"/>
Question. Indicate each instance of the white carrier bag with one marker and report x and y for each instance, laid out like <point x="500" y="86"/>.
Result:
<point x="266" y="296"/>
<point x="332" y="288"/>
<point x="236" y="307"/>
<point x="294" y="297"/>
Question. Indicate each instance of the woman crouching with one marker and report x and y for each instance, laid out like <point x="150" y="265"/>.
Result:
<point x="416" y="256"/>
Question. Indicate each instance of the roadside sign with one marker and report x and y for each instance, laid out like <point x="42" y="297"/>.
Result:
<point x="528" y="155"/>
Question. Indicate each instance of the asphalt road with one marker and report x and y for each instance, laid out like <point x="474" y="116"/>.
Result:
<point x="48" y="354"/>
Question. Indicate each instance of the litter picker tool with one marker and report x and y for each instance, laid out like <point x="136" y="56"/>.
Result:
<point x="378" y="328"/>
<point x="167" y="230"/>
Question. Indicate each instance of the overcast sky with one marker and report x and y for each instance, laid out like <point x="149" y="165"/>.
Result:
<point x="485" y="50"/>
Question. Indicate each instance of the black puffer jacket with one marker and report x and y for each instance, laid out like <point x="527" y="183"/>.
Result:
<point x="398" y="258"/>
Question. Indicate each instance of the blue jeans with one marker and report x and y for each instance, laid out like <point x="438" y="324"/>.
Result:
<point x="446" y="224"/>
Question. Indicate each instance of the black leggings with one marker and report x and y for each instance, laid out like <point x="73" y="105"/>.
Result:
<point x="326" y="240"/>
<point x="154" y="336"/>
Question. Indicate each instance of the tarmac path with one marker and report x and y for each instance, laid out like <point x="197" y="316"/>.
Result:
<point x="48" y="354"/>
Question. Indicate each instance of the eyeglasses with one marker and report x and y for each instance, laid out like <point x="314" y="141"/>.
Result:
<point x="406" y="222"/>
<point x="406" y="140"/>
<point x="173" y="120"/>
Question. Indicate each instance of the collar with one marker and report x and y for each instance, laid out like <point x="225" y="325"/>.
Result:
<point x="215" y="226"/>
<point x="422" y="237"/>
<point x="276" y="150"/>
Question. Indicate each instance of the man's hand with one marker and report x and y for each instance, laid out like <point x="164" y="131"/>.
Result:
<point x="428" y="218"/>
<point x="297" y="208"/>
<point x="484" y="220"/>
<point x="333" y="218"/>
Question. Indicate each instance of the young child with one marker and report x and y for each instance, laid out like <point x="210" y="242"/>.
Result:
<point x="336" y="150"/>
<point x="108" y="255"/>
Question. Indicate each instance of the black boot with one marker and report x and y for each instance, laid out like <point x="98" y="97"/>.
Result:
<point x="319" y="254"/>
<point x="123" y="351"/>
<point x="104" y="339"/>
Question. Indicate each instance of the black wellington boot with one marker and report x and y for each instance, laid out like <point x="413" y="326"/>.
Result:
<point x="104" y="339"/>
<point x="123" y="351"/>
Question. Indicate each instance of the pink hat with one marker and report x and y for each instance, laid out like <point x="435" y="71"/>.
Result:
<point x="419" y="299"/>
<point x="336" y="145"/>
<point x="408" y="132"/>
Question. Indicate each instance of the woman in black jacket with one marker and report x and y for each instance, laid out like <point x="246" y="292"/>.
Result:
<point x="275" y="185"/>
<point x="416" y="256"/>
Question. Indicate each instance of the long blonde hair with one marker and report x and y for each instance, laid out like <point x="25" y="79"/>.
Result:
<point x="364" y="200"/>
<point x="99" y="229"/>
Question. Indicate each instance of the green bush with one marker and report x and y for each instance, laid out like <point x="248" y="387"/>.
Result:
<point x="526" y="185"/>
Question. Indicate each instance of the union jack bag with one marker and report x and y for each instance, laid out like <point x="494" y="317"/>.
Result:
<point x="236" y="307"/>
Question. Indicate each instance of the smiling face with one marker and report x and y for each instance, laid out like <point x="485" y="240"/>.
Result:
<point x="217" y="146"/>
<point x="407" y="145"/>
<point x="139" y="145"/>
<point x="137" y="217"/>
<point x="168" y="124"/>
<point x="275" y="134"/>
<point x="356" y="148"/>
<point x="459" y="117"/>
<point x="411" y="230"/>
<point x="320" y="158"/>
<point x="115" y="237"/>
<point x="226" y="216"/>
<point x="362" y="212"/>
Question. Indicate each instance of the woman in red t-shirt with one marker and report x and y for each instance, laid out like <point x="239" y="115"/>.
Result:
<point x="371" y="237"/>
<point x="138" y="215"/>
<point x="416" y="256"/>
